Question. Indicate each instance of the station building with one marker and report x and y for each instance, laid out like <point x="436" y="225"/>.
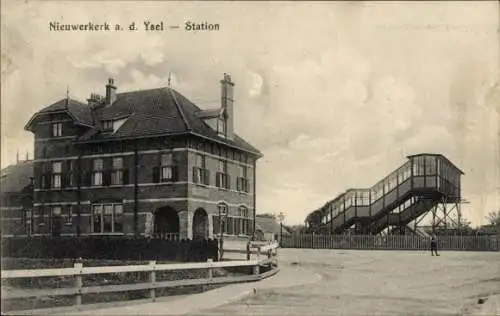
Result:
<point x="138" y="163"/>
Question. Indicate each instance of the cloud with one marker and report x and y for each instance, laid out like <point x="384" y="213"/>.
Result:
<point x="335" y="95"/>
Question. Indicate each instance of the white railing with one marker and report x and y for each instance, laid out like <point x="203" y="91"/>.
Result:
<point x="78" y="271"/>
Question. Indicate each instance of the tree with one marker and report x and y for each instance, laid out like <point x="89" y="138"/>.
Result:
<point x="493" y="218"/>
<point x="298" y="229"/>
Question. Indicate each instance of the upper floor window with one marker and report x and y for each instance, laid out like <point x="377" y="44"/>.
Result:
<point x="167" y="167"/>
<point x="57" y="129"/>
<point x="242" y="180"/>
<point x="117" y="172"/>
<point x="56" y="211"/>
<point x="166" y="171"/>
<point x="41" y="216"/>
<point x="56" y="174"/>
<point x="200" y="173"/>
<point x="71" y="173"/>
<point x="222" y="166"/>
<point x="107" y="125"/>
<point x="221" y="126"/>
<point x="97" y="172"/>
<point x="222" y="180"/>
<point x="200" y="161"/>
<point x="68" y="214"/>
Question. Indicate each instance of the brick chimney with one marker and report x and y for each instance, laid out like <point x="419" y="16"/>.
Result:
<point x="110" y="92"/>
<point x="227" y="87"/>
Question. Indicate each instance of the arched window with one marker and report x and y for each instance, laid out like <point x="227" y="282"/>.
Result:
<point x="242" y="222"/>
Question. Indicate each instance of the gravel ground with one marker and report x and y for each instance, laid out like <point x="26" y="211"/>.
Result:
<point x="378" y="283"/>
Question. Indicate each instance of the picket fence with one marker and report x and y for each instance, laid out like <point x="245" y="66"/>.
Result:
<point x="390" y="242"/>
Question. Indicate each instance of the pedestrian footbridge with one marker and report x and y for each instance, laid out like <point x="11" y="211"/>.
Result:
<point x="412" y="190"/>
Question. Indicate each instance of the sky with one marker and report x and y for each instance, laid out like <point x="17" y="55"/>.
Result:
<point x="334" y="94"/>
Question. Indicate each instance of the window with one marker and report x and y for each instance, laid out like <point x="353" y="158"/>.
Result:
<point x="430" y="165"/>
<point x="167" y="168"/>
<point x="222" y="207"/>
<point x="222" y="180"/>
<point x="242" y="181"/>
<point x="68" y="216"/>
<point x="107" y="218"/>
<point x="27" y="219"/>
<point x="56" y="174"/>
<point x="221" y="126"/>
<point x="57" y="129"/>
<point x="237" y="224"/>
<point x="222" y="166"/>
<point x="117" y="172"/>
<point x="242" y="221"/>
<point x="107" y="125"/>
<point x="200" y="161"/>
<point x="418" y="166"/>
<point x="71" y="173"/>
<point x="56" y="211"/>
<point x="41" y="216"/>
<point x="200" y="173"/>
<point x="97" y="171"/>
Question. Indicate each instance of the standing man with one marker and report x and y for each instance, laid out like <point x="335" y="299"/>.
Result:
<point x="434" y="245"/>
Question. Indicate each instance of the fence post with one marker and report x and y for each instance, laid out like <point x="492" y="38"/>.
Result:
<point x="152" y="280"/>
<point x="78" y="266"/>
<point x="276" y="252"/>
<point x="256" y="269"/>
<point x="210" y="274"/>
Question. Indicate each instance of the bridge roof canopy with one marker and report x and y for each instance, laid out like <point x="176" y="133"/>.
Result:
<point x="437" y="155"/>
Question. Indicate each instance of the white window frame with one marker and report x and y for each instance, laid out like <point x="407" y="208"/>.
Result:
<point x="97" y="173"/>
<point x="200" y="165"/>
<point x="107" y="125"/>
<point x="166" y="167"/>
<point x="56" y="175"/>
<point x="102" y="213"/>
<point x="117" y="172"/>
<point x="222" y="126"/>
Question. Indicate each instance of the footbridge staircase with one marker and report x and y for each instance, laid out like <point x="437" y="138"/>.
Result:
<point x="424" y="183"/>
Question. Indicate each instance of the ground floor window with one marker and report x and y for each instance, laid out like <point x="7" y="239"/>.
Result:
<point x="232" y="225"/>
<point x="107" y="218"/>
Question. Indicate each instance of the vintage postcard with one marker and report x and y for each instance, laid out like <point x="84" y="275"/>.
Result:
<point x="250" y="158"/>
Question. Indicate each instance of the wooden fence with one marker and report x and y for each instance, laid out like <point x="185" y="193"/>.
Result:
<point x="265" y="265"/>
<point x="390" y="242"/>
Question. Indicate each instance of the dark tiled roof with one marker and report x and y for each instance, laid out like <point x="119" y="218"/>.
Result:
<point x="79" y="111"/>
<point x="15" y="178"/>
<point x="158" y="112"/>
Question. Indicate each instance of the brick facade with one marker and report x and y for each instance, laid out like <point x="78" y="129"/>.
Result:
<point x="108" y="186"/>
